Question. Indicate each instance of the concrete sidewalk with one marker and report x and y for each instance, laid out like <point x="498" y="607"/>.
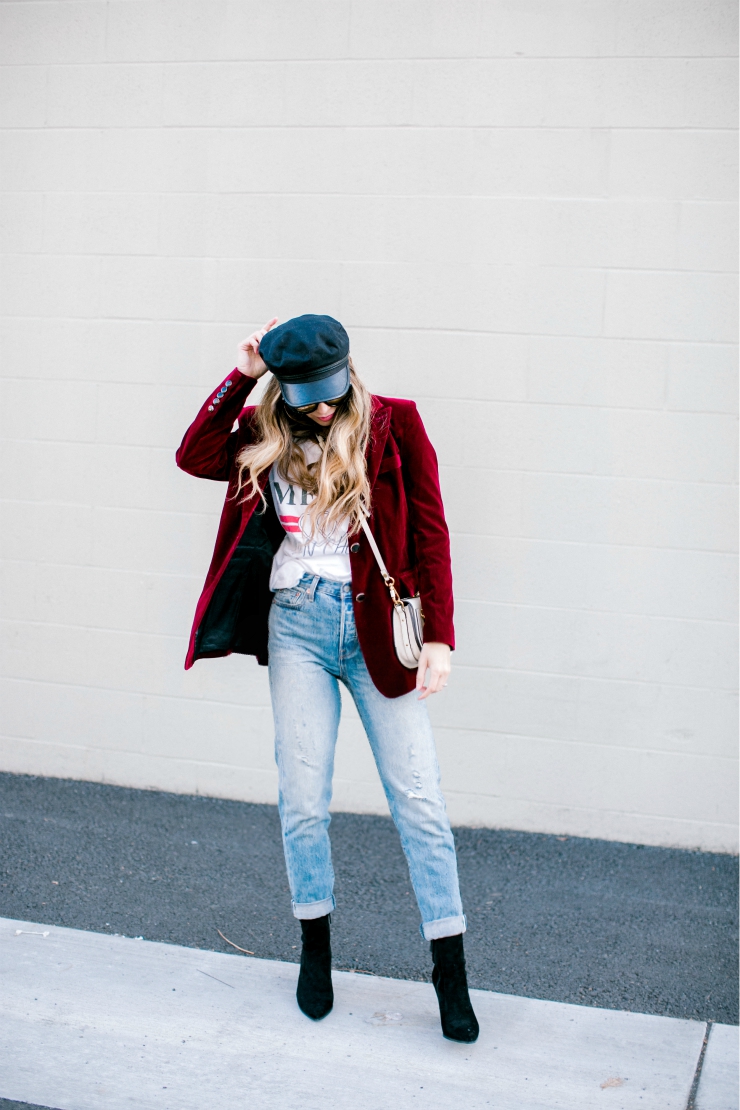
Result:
<point x="92" y="1021"/>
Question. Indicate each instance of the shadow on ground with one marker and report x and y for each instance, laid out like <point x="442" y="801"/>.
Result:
<point x="568" y="919"/>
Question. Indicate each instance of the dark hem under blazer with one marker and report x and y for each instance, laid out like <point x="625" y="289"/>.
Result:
<point x="407" y="521"/>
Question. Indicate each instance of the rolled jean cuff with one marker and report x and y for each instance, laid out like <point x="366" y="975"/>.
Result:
<point x="443" y="927"/>
<point x="307" y="911"/>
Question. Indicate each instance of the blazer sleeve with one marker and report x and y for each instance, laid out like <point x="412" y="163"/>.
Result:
<point x="209" y="445"/>
<point x="429" y="528"/>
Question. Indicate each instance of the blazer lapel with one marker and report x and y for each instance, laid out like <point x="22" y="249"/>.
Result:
<point x="379" y="428"/>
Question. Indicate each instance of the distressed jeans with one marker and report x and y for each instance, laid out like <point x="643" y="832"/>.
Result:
<point x="313" y="646"/>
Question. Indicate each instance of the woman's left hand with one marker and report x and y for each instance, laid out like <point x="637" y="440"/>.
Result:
<point x="436" y="659"/>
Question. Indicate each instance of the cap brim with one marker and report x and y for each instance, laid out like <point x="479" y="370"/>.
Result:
<point x="313" y="392"/>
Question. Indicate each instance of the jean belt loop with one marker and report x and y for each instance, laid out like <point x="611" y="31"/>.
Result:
<point x="312" y="588"/>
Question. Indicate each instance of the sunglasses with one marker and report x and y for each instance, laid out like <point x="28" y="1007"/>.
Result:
<point x="306" y="409"/>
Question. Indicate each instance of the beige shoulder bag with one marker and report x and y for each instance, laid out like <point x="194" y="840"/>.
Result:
<point x="408" y="619"/>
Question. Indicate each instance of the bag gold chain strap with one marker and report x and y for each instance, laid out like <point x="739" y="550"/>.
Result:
<point x="408" y="619"/>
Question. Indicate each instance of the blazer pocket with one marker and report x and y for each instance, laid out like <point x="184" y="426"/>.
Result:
<point x="391" y="463"/>
<point x="408" y="580"/>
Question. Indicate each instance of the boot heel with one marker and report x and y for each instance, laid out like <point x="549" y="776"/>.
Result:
<point x="459" y="1022"/>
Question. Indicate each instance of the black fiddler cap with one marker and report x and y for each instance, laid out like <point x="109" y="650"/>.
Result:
<point x="309" y="356"/>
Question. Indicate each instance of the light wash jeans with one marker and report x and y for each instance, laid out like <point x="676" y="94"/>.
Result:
<point x="313" y="646"/>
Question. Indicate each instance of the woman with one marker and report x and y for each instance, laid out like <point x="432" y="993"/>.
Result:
<point x="293" y="579"/>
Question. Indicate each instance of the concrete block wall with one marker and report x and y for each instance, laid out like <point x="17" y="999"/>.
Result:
<point x="524" y="213"/>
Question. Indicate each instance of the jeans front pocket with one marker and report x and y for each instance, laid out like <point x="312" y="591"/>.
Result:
<point x="291" y="597"/>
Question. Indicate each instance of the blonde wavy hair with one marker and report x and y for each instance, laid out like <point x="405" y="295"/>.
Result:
<point x="338" y="481"/>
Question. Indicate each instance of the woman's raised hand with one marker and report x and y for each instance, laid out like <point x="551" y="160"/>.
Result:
<point x="436" y="659"/>
<point x="248" y="359"/>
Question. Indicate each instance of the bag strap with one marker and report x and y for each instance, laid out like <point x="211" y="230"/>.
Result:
<point x="390" y="583"/>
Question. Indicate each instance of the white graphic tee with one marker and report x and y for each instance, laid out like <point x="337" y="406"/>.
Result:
<point x="301" y="553"/>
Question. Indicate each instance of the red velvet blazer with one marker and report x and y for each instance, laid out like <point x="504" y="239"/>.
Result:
<point x="407" y="521"/>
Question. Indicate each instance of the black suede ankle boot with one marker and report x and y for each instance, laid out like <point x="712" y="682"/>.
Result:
<point x="315" y="994"/>
<point x="459" y="1023"/>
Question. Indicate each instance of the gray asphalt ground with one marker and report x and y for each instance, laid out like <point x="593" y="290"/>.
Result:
<point x="562" y="918"/>
<point x="8" y="1104"/>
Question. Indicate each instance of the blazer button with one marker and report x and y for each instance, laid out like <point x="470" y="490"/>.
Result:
<point x="359" y="597"/>
<point x="210" y="408"/>
<point x="355" y="548"/>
